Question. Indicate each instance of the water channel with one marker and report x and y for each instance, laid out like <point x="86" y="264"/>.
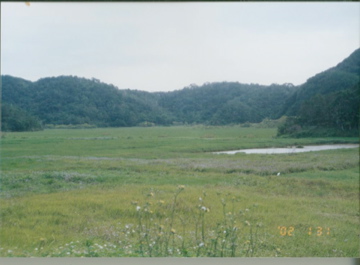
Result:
<point x="289" y="150"/>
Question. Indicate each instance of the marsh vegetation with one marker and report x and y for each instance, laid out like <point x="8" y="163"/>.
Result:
<point x="159" y="191"/>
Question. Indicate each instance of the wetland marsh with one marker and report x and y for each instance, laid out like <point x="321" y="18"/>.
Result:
<point x="159" y="191"/>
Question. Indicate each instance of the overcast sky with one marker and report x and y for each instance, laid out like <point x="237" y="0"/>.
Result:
<point x="167" y="46"/>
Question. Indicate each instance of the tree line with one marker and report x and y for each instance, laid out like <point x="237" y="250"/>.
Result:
<point x="327" y="100"/>
<point x="70" y="100"/>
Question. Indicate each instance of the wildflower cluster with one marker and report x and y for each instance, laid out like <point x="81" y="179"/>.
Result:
<point x="158" y="235"/>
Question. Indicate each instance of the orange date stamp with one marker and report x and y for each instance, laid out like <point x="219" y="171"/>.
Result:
<point x="318" y="231"/>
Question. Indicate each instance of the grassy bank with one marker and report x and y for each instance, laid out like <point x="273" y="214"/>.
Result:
<point x="159" y="191"/>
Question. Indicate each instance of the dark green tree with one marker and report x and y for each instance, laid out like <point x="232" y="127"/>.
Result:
<point x="16" y="120"/>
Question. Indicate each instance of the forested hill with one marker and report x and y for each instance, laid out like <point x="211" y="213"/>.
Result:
<point x="226" y="102"/>
<point x="66" y="100"/>
<point x="74" y="100"/>
<point x="327" y="104"/>
<point x="341" y="77"/>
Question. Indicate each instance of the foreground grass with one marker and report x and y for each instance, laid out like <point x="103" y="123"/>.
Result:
<point x="114" y="192"/>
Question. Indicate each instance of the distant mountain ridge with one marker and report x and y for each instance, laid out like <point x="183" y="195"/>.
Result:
<point x="74" y="100"/>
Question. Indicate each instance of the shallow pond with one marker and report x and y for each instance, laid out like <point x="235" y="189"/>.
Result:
<point x="289" y="150"/>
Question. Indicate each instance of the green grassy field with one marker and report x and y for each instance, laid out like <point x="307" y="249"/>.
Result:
<point x="159" y="191"/>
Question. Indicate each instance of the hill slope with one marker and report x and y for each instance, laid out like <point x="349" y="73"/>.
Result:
<point x="74" y="100"/>
<point x="226" y="102"/>
<point x="341" y="77"/>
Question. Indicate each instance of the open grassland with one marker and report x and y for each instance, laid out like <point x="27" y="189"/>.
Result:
<point x="160" y="191"/>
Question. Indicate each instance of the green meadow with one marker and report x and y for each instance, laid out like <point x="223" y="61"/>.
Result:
<point x="160" y="191"/>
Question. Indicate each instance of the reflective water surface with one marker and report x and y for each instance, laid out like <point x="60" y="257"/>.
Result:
<point x="288" y="150"/>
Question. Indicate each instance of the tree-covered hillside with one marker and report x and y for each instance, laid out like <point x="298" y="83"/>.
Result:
<point x="343" y="76"/>
<point x="226" y="102"/>
<point x="328" y="103"/>
<point x="328" y="100"/>
<point x="333" y="114"/>
<point x="74" y="100"/>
